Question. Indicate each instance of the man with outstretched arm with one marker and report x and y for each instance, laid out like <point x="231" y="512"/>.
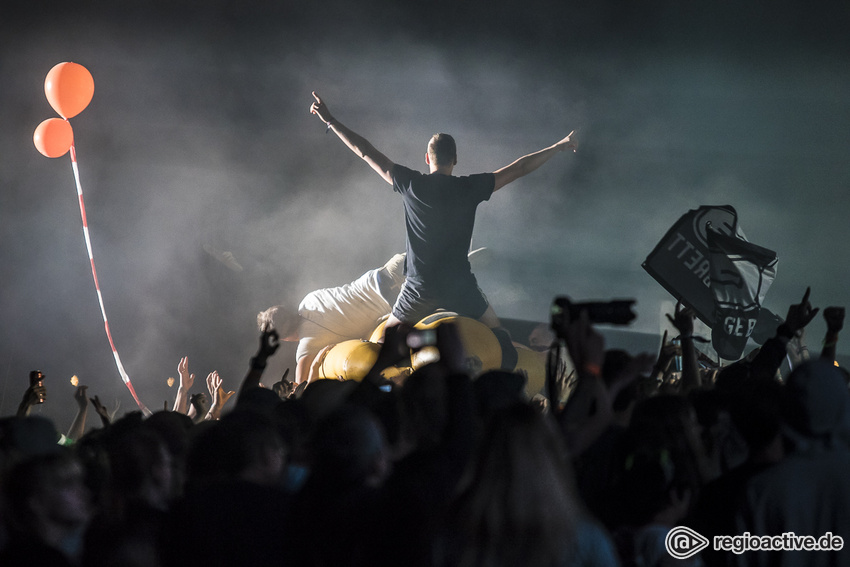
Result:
<point x="439" y="211"/>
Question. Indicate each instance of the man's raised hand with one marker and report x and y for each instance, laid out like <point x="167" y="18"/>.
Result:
<point x="569" y="143"/>
<point x="320" y="109"/>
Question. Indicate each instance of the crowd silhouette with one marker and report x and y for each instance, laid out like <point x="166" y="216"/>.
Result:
<point x="446" y="467"/>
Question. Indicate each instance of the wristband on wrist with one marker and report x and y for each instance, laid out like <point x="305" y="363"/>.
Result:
<point x="328" y="129"/>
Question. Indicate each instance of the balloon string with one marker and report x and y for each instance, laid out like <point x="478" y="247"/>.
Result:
<point x="124" y="377"/>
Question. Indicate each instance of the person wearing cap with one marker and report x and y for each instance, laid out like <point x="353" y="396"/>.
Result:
<point x="808" y="492"/>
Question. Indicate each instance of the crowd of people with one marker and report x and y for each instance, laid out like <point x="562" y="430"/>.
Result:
<point x="448" y="468"/>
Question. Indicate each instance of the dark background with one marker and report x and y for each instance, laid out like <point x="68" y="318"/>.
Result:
<point x="199" y="135"/>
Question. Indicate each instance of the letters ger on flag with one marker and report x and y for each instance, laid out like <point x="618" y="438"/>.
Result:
<point x="741" y="274"/>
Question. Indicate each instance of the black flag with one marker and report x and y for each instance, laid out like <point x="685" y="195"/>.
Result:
<point x="682" y="263"/>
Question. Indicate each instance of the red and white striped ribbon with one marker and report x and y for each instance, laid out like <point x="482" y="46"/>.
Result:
<point x="120" y="366"/>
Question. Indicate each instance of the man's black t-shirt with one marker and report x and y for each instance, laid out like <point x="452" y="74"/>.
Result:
<point x="439" y="213"/>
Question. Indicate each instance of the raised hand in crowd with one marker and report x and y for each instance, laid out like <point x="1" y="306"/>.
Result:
<point x="81" y="398"/>
<point x="218" y="394"/>
<point x="35" y="394"/>
<point x="269" y="343"/>
<point x="101" y="410"/>
<point x="563" y="384"/>
<point x="559" y="381"/>
<point x="181" y="402"/>
<point x="78" y="426"/>
<point x="796" y="348"/>
<point x="834" y="317"/>
<point x="773" y="352"/>
<point x="588" y="410"/>
<point x="664" y="366"/>
<point x="799" y="315"/>
<point x="683" y="320"/>
<point x="284" y="388"/>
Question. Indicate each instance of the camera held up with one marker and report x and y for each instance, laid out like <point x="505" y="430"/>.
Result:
<point x="615" y="312"/>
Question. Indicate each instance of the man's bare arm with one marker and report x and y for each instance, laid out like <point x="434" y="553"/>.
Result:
<point x="361" y="147"/>
<point x="527" y="164"/>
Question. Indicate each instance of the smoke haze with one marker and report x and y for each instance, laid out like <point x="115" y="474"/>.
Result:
<point x="199" y="138"/>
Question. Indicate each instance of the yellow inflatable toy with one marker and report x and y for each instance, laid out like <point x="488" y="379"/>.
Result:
<point x="352" y="360"/>
<point x="349" y="360"/>
<point x="376" y="335"/>
<point x="479" y="342"/>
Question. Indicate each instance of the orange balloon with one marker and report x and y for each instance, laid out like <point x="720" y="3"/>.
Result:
<point x="69" y="88"/>
<point x="53" y="137"/>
